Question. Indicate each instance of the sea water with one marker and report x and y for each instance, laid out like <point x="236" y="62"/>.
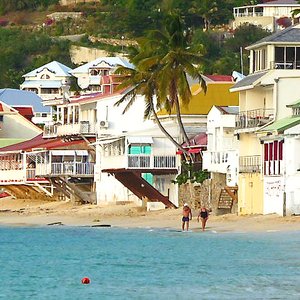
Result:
<point x="50" y="262"/>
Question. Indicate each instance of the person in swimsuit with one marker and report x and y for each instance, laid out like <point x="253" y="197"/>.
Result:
<point x="186" y="216"/>
<point x="203" y="215"/>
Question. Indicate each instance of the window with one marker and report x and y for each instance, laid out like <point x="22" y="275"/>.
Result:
<point x="45" y="76"/>
<point x="287" y="58"/>
<point x="273" y="155"/>
<point x="260" y="59"/>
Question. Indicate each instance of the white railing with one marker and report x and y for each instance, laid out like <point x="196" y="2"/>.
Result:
<point x="254" y="118"/>
<point x="83" y="127"/>
<point x="250" y="164"/>
<point x="218" y="161"/>
<point x="50" y="131"/>
<point x="66" y="168"/>
<point x="148" y="161"/>
<point x="30" y="173"/>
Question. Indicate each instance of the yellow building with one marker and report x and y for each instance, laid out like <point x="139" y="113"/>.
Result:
<point x="263" y="98"/>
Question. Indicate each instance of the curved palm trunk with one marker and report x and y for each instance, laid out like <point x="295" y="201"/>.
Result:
<point x="165" y="132"/>
<point x="181" y="127"/>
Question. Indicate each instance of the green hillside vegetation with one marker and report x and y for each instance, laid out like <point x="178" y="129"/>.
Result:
<point x="29" y="39"/>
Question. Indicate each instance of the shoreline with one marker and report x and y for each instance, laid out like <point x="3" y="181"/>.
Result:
<point x="32" y="212"/>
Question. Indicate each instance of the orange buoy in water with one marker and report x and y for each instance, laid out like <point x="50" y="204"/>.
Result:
<point x="85" y="280"/>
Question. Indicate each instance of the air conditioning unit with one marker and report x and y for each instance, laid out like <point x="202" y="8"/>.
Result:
<point x="103" y="124"/>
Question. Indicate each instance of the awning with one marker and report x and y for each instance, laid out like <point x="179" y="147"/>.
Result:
<point x="81" y="152"/>
<point x="140" y="140"/>
<point x="194" y="150"/>
<point x="63" y="152"/>
<point x="282" y="124"/>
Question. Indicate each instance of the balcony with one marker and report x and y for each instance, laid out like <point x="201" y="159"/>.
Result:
<point x="151" y="162"/>
<point x="83" y="127"/>
<point x="254" y="118"/>
<point x="66" y="169"/>
<point x="250" y="164"/>
<point x="218" y="161"/>
<point x="162" y="164"/>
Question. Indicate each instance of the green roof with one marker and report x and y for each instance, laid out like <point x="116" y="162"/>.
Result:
<point x="294" y="105"/>
<point x="8" y="142"/>
<point x="283" y="124"/>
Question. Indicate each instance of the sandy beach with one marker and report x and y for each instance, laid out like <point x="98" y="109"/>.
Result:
<point x="25" y="212"/>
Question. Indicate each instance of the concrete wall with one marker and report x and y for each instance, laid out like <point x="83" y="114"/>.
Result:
<point x="80" y="55"/>
<point x="70" y="2"/>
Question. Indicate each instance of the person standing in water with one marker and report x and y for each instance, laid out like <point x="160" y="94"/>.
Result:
<point x="203" y="215"/>
<point x="186" y="216"/>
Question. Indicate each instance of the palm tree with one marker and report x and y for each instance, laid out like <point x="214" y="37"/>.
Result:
<point x="163" y="62"/>
<point x="142" y="83"/>
<point x="170" y="55"/>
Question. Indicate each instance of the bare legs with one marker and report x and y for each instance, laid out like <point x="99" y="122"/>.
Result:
<point x="203" y="221"/>
<point x="187" y="225"/>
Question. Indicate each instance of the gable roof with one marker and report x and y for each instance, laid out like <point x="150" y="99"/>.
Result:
<point x="249" y="81"/>
<point x="288" y="35"/>
<point x="14" y="97"/>
<point x="111" y="61"/>
<point x="228" y="110"/>
<point x="54" y="67"/>
<point x="39" y="142"/>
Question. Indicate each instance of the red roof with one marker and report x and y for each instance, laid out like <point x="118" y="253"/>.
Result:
<point x="226" y="78"/>
<point x="198" y="140"/>
<point x="40" y="142"/>
<point x="26" y="112"/>
<point x="1" y="107"/>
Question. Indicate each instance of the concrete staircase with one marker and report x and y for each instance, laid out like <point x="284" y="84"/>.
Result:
<point x="227" y="196"/>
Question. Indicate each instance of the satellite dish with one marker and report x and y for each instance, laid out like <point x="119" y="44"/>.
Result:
<point x="83" y="82"/>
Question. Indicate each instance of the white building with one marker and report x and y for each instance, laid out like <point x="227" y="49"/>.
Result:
<point x="222" y="146"/>
<point x="281" y="164"/>
<point x="49" y="81"/>
<point x="93" y="76"/>
<point x="265" y="14"/>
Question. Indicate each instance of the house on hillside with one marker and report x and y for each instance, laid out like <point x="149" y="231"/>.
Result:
<point x="14" y="127"/>
<point x="28" y="104"/>
<point x="271" y="15"/>
<point x="50" y="82"/>
<point x="221" y="156"/>
<point x="97" y="75"/>
<point x="263" y="98"/>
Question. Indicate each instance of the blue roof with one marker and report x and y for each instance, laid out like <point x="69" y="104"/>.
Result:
<point x="20" y="98"/>
<point x="55" y="67"/>
<point x="112" y="61"/>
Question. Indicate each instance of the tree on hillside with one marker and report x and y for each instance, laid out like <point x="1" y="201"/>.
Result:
<point x="164" y="61"/>
<point x="205" y="9"/>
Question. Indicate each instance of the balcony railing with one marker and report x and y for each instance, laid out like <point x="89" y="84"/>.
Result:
<point x="148" y="161"/>
<point x="83" y="127"/>
<point x="50" y="131"/>
<point x="254" y="118"/>
<point x="66" y="168"/>
<point x="250" y="164"/>
<point x="291" y="65"/>
<point x="218" y="161"/>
